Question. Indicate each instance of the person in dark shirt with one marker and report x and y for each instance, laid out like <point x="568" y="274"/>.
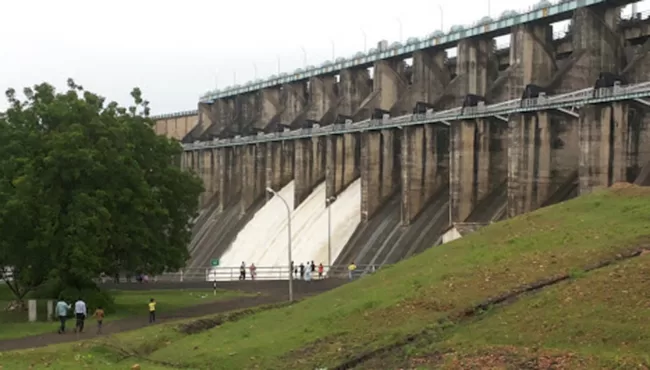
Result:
<point x="302" y="271"/>
<point x="313" y="267"/>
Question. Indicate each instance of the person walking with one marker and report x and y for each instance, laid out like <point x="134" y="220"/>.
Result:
<point x="351" y="269"/>
<point x="313" y="268"/>
<point x="308" y="274"/>
<point x="99" y="315"/>
<point x="80" y="313"/>
<point x="152" y="311"/>
<point x="321" y="269"/>
<point x="242" y="271"/>
<point x="302" y="271"/>
<point x="62" y="313"/>
<point x="253" y="270"/>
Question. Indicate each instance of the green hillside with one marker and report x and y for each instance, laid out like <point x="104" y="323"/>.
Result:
<point x="558" y="288"/>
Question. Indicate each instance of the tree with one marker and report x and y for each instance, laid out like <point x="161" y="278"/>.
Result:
<point x="88" y="187"/>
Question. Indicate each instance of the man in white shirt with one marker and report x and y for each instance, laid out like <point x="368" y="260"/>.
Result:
<point x="80" y="313"/>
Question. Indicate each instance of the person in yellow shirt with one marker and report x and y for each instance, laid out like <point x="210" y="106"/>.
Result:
<point x="99" y="315"/>
<point x="152" y="311"/>
<point x="351" y="269"/>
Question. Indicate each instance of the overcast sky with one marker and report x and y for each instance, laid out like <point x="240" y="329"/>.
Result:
<point x="176" y="50"/>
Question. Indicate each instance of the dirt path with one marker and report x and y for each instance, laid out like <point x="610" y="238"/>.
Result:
<point x="270" y="292"/>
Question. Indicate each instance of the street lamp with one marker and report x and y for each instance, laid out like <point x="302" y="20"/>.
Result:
<point x="442" y="27"/>
<point x="365" y="41"/>
<point x="328" y="202"/>
<point x="304" y="56"/>
<point x="288" y="240"/>
<point x="399" y="21"/>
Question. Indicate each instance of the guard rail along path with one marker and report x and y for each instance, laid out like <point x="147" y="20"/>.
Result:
<point x="262" y="273"/>
<point x="567" y="102"/>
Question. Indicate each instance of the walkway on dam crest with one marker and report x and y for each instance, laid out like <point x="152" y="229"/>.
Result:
<point x="271" y="292"/>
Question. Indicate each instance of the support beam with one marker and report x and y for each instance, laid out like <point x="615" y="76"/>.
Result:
<point x="230" y="177"/>
<point x="379" y="169"/>
<point x="354" y="87"/>
<point x="253" y="175"/>
<point x="543" y="156"/>
<point x="279" y="164"/>
<point x="343" y="159"/>
<point x="389" y="82"/>
<point x="424" y="167"/>
<point x="309" y="167"/>
<point x="478" y="164"/>
<point x="476" y="67"/>
<point x="293" y="100"/>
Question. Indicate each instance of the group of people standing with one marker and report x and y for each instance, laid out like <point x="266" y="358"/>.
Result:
<point x="307" y="271"/>
<point x="251" y="268"/>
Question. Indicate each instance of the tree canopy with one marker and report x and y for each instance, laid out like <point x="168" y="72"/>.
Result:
<point x="88" y="187"/>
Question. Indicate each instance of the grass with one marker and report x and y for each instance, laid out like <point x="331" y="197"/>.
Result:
<point x="127" y="304"/>
<point x="593" y="320"/>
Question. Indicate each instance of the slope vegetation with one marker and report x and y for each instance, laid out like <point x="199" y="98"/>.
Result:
<point x="564" y="287"/>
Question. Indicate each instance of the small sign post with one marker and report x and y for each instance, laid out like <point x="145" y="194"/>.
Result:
<point x="214" y="262"/>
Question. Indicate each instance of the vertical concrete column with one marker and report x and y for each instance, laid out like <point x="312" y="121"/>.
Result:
<point x="430" y="75"/>
<point x="224" y="185"/>
<point x="287" y="160"/>
<point x="216" y="174"/>
<point x="342" y="162"/>
<point x="261" y="156"/>
<point x="274" y="166"/>
<point x="31" y="307"/>
<point x="303" y="170"/>
<point x="322" y="98"/>
<point x="354" y="87"/>
<point x="389" y="81"/>
<point x="248" y="159"/>
<point x="532" y="58"/>
<point x="371" y="161"/>
<point x="390" y="174"/>
<point x="200" y="171"/>
<point x="267" y="104"/>
<point x="479" y="164"/>
<point x="424" y="167"/>
<point x="603" y="145"/>
<point x="294" y="101"/>
<point x="475" y="66"/>
<point x="596" y="44"/>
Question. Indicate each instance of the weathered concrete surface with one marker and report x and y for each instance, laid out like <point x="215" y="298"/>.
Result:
<point x="294" y="101"/>
<point x="175" y="127"/>
<point x="323" y="99"/>
<point x="309" y="166"/>
<point x="476" y="68"/>
<point x="342" y="162"/>
<point x="230" y="177"/>
<point x="478" y="163"/>
<point x="389" y="82"/>
<point x="614" y="142"/>
<point x="532" y="61"/>
<point x="279" y="164"/>
<point x="355" y="86"/>
<point x="253" y="174"/>
<point x="379" y="169"/>
<point x="267" y="106"/>
<point x="543" y="154"/>
<point x="424" y="167"/>
<point x="597" y="47"/>
<point x="430" y="78"/>
<point x="206" y="171"/>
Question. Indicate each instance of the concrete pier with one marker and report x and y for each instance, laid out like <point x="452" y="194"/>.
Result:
<point x="206" y="170"/>
<point x="294" y="102"/>
<point x="323" y="100"/>
<point x="279" y="164"/>
<point x="424" y="167"/>
<point x="478" y="163"/>
<point x="267" y="104"/>
<point x="389" y="83"/>
<point x="253" y="174"/>
<point x="543" y="156"/>
<point x="309" y="171"/>
<point x="355" y="86"/>
<point x="430" y="78"/>
<point x="476" y="67"/>
<point x="379" y="169"/>
<point x="597" y="47"/>
<point x="342" y="162"/>
<point x="230" y="177"/>
<point x="603" y="145"/>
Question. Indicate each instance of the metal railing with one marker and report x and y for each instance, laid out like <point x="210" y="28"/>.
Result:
<point x="232" y="274"/>
<point x="572" y="99"/>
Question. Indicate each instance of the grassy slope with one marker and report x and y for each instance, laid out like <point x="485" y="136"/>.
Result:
<point x="421" y="292"/>
<point x="127" y="304"/>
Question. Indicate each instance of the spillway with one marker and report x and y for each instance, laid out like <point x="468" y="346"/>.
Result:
<point x="216" y="232"/>
<point x="383" y="240"/>
<point x="263" y="240"/>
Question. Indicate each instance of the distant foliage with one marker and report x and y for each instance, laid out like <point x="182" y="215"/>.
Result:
<point x="88" y="187"/>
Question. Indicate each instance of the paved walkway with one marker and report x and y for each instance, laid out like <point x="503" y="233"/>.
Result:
<point x="271" y="292"/>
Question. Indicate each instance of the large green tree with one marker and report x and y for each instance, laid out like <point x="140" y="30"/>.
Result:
<point x="88" y="187"/>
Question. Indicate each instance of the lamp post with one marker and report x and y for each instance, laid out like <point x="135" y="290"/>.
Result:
<point x="304" y="56"/>
<point x="442" y="26"/>
<point x="328" y="202"/>
<point x="288" y="240"/>
<point x="399" y="21"/>
<point x="255" y="69"/>
<point x="365" y="41"/>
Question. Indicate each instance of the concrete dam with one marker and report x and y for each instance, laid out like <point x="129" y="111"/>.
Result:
<point x="390" y="152"/>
